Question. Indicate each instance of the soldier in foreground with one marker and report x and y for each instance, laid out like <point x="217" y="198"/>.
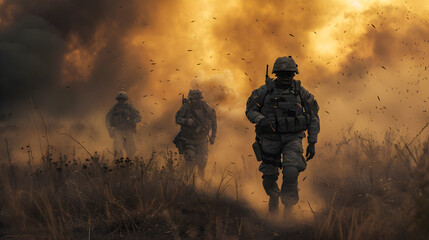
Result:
<point x="121" y="123"/>
<point x="282" y="110"/>
<point x="196" y="119"/>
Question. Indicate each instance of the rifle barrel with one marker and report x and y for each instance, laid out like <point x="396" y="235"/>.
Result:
<point x="266" y="72"/>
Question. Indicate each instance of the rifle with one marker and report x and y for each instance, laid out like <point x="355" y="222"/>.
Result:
<point x="266" y="73"/>
<point x="195" y="116"/>
<point x="178" y="141"/>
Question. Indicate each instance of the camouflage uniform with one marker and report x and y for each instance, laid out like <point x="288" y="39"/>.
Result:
<point x="196" y="123"/>
<point x="121" y="123"/>
<point x="290" y="112"/>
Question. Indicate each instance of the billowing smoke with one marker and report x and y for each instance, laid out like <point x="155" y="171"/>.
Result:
<point x="363" y="60"/>
<point x="63" y="61"/>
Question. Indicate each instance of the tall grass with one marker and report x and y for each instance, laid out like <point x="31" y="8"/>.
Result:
<point x="101" y="199"/>
<point x="372" y="190"/>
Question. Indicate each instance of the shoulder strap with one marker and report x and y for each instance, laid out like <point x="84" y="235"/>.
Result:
<point x="269" y="86"/>
<point x="206" y="109"/>
<point x="194" y="114"/>
<point x="269" y="82"/>
<point x="297" y="84"/>
<point x="297" y="87"/>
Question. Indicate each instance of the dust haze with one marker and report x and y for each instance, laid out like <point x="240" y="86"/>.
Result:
<point x="65" y="60"/>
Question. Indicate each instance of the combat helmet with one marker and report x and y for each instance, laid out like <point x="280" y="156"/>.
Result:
<point x="195" y="93"/>
<point x="122" y="95"/>
<point x="283" y="64"/>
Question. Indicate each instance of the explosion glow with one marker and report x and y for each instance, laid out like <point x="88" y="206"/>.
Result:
<point x="363" y="60"/>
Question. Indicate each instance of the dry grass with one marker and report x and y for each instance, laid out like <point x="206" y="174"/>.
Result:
<point x="132" y="199"/>
<point x="372" y="190"/>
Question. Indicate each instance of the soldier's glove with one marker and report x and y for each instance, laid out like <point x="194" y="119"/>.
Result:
<point x="264" y="126"/>
<point x="311" y="151"/>
<point x="190" y="122"/>
<point x="212" y="140"/>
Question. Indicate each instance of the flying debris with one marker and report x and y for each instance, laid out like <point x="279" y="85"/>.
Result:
<point x="373" y="25"/>
<point x="383" y="67"/>
<point x="291" y="35"/>
<point x="378" y="98"/>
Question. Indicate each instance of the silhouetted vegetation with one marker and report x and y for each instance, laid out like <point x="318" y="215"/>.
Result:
<point x="372" y="190"/>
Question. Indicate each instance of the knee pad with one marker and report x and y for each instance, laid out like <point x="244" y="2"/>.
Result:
<point x="289" y="194"/>
<point x="272" y="178"/>
<point x="270" y="185"/>
<point x="290" y="175"/>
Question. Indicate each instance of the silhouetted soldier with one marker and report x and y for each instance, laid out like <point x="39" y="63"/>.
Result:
<point x="121" y="123"/>
<point x="196" y="119"/>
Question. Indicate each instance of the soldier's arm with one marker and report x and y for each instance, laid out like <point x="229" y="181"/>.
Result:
<point x="253" y="106"/>
<point x="213" y="121"/>
<point x="181" y="116"/>
<point x="108" y="117"/>
<point x="311" y="106"/>
<point x="136" y="114"/>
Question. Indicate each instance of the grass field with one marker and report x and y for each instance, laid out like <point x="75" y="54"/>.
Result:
<point x="371" y="190"/>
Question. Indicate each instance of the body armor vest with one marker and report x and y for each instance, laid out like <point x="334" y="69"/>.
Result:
<point x="121" y="118"/>
<point x="202" y="128"/>
<point x="283" y="108"/>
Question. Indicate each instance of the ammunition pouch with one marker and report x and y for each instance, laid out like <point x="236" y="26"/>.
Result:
<point x="180" y="144"/>
<point x="257" y="148"/>
<point x="293" y="124"/>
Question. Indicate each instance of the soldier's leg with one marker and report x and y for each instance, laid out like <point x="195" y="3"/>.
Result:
<point x="293" y="163"/>
<point x="130" y="145"/>
<point x="189" y="155"/>
<point x="201" y="156"/>
<point x="271" y="153"/>
<point x="118" y="144"/>
<point x="289" y="190"/>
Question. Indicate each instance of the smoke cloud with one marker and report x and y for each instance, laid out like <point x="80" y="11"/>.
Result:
<point x="363" y="60"/>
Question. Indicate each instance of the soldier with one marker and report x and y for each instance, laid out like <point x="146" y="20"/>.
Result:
<point x="121" y="123"/>
<point x="196" y="119"/>
<point x="282" y="110"/>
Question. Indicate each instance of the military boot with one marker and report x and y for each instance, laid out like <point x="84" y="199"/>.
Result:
<point x="273" y="204"/>
<point x="287" y="214"/>
<point x="272" y="189"/>
<point x="289" y="194"/>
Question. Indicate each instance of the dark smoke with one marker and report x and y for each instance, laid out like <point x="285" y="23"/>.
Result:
<point x="37" y="36"/>
<point x="30" y="60"/>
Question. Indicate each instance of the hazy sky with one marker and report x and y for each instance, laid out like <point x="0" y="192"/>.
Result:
<point x="363" y="60"/>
